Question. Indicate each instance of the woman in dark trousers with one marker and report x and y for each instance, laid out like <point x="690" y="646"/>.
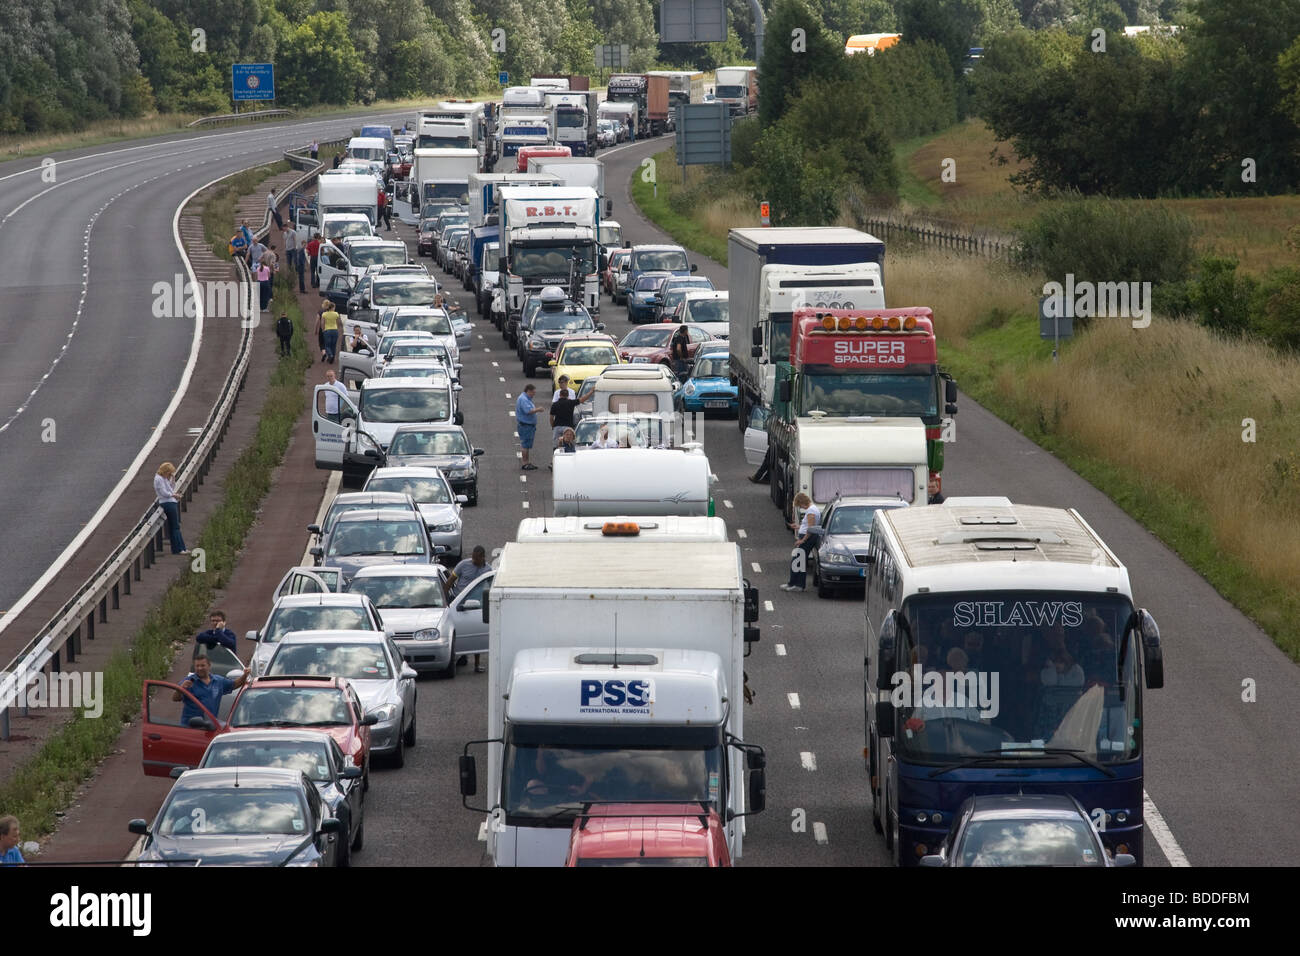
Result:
<point x="681" y="352"/>
<point x="171" y="508"/>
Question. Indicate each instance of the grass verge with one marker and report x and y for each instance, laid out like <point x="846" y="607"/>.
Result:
<point x="709" y="193"/>
<point x="48" y="782"/>
<point x="1154" y="418"/>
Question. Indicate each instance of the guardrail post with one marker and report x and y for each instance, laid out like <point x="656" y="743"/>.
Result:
<point x="103" y="607"/>
<point x="135" y="567"/>
<point x="126" y="581"/>
<point x="4" y="724"/>
<point x="116" y="599"/>
<point x="73" y="647"/>
<point x="55" y="661"/>
<point x="90" y="625"/>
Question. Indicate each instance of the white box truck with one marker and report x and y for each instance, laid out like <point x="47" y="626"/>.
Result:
<point x="619" y="681"/>
<point x="571" y="171"/>
<point x="341" y="198"/>
<point x="548" y="237"/>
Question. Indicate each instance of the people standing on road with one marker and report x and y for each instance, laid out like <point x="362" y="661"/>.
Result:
<point x="336" y="160"/>
<point x="935" y="495"/>
<point x="293" y="252"/>
<point x="315" y="149"/>
<point x="384" y="212"/>
<point x="526" y="423"/>
<point x="329" y="324"/>
<point x="805" y="542"/>
<point x="205" y="687"/>
<point x="567" y="443"/>
<point x="462" y="576"/>
<point x="313" y="250"/>
<point x="761" y="477"/>
<point x="563" y="403"/>
<point x="171" y="508"/>
<point x="10" y="836"/>
<point x="336" y="388"/>
<point x="681" y="351"/>
<point x="270" y="258"/>
<point x="284" y="332"/>
<point x="255" y="253"/>
<point x="263" y="275"/>
<point x="273" y="209"/>
<point x="217" y="633"/>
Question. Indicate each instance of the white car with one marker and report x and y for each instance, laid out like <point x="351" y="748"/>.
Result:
<point x="439" y="506"/>
<point x="311" y="612"/>
<point x="371" y="662"/>
<point x="412" y="601"/>
<point x="756" y="435"/>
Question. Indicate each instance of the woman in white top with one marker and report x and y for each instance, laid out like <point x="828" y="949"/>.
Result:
<point x="805" y="541"/>
<point x="171" y="508"/>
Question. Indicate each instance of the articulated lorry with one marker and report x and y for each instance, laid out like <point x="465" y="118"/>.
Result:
<point x="773" y="272"/>
<point x="548" y="237"/>
<point x="484" y="202"/>
<point x="526" y="119"/>
<point x="347" y="204"/>
<point x="859" y="365"/>
<point x="575" y="119"/>
<point x="618" y="680"/>
<point x="561" y="81"/>
<point x="684" y="87"/>
<point x="649" y="93"/>
<point x="459" y="124"/>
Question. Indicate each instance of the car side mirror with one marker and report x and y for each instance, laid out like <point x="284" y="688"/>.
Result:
<point x="408" y="672"/>
<point x="783" y="391"/>
<point x="330" y="825"/>
<point x="884" y="717"/>
<point x="757" y="336"/>
<point x="757" y="791"/>
<point x="250" y="635"/>
<point x="472" y="606"/>
<point x="950" y="391"/>
<point x="468" y="776"/>
<point x="600" y="327"/>
<point x="478" y="452"/>
<point x="550" y="363"/>
<point x="313" y="528"/>
<point x="369" y="720"/>
<point x="318" y="553"/>
<point x="932" y="859"/>
<point x="462" y="499"/>
<point x="694" y="267"/>
<point x="751" y="603"/>
<point x="1120" y="859"/>
<point x="950" y="408"/>
<point x="138" y="827"/>
<point x="351" y="772"/>
<point x="177" y="771"/>
<point x="201" y="723"/>
<point x="609" y="208"/>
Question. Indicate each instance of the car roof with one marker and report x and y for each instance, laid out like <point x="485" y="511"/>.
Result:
<point x="321" y="681"/>
<point x="373" y="514"/>
<point x="414" y="381"/>
<point x="406" y="471"/>
<point x="583" y="338"/>
<point x="319" y="598"/>
<point x="378" y="497"/>
<point x="694" y="294"/>
<point x="875" y="501"/>
<point x="400" y="570"/>
<point x="271" y="736"/>
<point x="656" y="247"/>
<point x="1006" y="806"/>
<point x="215" y="777"/>
<point x="430" y="427"/>
<point x="333" y="637"/>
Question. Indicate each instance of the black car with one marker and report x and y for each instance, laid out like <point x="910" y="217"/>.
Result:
<point x="1041" y="829"/>
<point x="317" y="755"/>
<point x="546" y="327"/>
<point x="424" y="240"/>
<point x="252" y="816"/>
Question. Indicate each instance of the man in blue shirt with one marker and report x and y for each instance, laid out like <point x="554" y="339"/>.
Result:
<point x="10" y="855"/>
<point x="205" y="687"/>
<point x="526" y="421"/>
<point x="218" y="633"/>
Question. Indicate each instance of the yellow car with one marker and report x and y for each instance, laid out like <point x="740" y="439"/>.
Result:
<point x="579" y="356"/>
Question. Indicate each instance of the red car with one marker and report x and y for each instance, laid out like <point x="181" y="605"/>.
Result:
<point x="650" y="343"/>
<point x="611" y="268"/>
<point x="328" y="704"/>
<point x="654" y="834"/>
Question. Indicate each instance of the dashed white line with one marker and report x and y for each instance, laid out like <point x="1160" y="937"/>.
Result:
<point x="794" y="701"/>
<point x="740" y="533"/>
<point x="494" y="364"/>
<point x="755" y="566"/>
<point x="819" y="833"/>
<point x="523" y="479"/>
<point x="780" y="650"/>
<point x="767" y="606"/>
<point x="525" y="504"/>
<point x="1160" y="830"/>
<point x="508" y="395"/>
<point x="727" y="504"/>
<point x="482" y="832"/>
<point x="511" y="413"/>
<point x="808" y="759"/>
<point x="501" y="378"/>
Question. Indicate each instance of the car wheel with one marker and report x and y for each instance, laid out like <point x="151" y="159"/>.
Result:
<point x="409" y="737"/>
<point x="399" y="758"/>
<point x="359" y="840"/>
<point x="343" y="854"/>
<point x="822" y="590"/>
<point x="365" y="776"/>
<point x="472" y="494"/>
<point x="450" y="672"/>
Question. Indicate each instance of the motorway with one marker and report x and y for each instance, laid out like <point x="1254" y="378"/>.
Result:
<point x="1221" y="772"/>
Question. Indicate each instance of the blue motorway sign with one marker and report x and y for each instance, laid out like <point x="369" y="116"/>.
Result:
<point x="252" y="81"/>
<point x="503" y="78"/>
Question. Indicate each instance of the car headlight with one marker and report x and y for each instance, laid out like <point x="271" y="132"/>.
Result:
<point x="456" y="472"/>
<point x="450" y="526"/>
<point x="690" y="388"/>
<point x="535" y="343"/>
<point x="385" y="712"/>
<point x="299" y="861"/>
<point x="836" y="557"/>
<point x="428" y="634"/>
<point x="366" y="443"/>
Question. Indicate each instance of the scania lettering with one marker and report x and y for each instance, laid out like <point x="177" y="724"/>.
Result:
<point x="1003" y="655"/>
<point x="622" y="683"/>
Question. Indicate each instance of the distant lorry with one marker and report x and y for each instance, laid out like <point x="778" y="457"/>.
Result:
<point x="459" y="124"/>
<point x="575" y="119"/>
<point x="643" y="481"/>
<point x="869" y="43"/>
<point x="372" y="149"/>
<point x="484" y="229"/>
<point x="625" y="113"/>
<point x="772" y="272"/>
<point x="571" y="170"/>
<point x="620" y="680"/>
<point x="684" y="87"/>
<point x="852" y="363"/>
<point x="551" y="151"/>
<point x="737" y="86"/>
<point x="564" y="81"/>
<point x="649" y="93"/>
<point x="548" y="237"/>
<point x="526" y="126"/>
<point x="436" y="175"/>
<point x="343" y="197"/>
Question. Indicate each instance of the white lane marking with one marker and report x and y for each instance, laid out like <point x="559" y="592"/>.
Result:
<point x="780" y="650"/>
<point x="727" y="504"/>
<point x="486" y="349"/>
<point x="740" y="533"/>
<point x="482" y="832"/>
<point x="331" y="489"/>
<point x="819" y="833"/>
<point x="525" y="506"/>
<point x="755" y="566"/>
<point x="511" y="413"/>
<point x="794" y="701"/>
<point x="523" y="478"/>
<point x="767" y="606"/>
<point x="808" y="760"/>
<point x="494" y="364"/>
<point x="508" y="395"/>
<point x="501" y="378"/>
<point x="1160" y="830"/>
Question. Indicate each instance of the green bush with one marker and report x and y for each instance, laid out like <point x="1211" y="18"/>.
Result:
<point x="1220" y="299"/>
<point x="744" y="136"/>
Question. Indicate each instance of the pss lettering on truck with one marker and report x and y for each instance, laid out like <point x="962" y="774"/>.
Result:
<point x="870" y="352"/>
<point x="616" y="696"/>
<point x="550" y="211"/>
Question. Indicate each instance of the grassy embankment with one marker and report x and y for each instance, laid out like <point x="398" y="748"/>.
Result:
<point x="1152" y="417"/>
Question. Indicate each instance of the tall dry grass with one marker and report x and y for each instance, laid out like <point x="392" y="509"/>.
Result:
<point x="961" y="290"/>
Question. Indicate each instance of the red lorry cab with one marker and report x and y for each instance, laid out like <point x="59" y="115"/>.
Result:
<point x="654" y="834"/>
<point x="529" y="152"/>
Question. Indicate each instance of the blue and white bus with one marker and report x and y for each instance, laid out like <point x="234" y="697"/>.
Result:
<point x="1004" y="654"/>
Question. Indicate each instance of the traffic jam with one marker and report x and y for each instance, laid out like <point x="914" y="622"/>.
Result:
<point x="1001" y="639"/>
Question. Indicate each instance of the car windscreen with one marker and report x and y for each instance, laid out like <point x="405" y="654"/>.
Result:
<point x="712" y="366"/>
<point x="625" y="431"/>
<point x="400" y="590"/>
<point x="562" y="321"/>
<point x="707" y="310"/>
<point x="354" y="661"/>
<point x="425" y="491"/>
<point x="648" y="283"/>
<point x="245" y="810"/>
<point x="416" y="350"/>
<point x="589" y="355"/>
<point x="290" y="707"/>
<point x="667" y="260"/>
<point x="404" y="292"/>
<point x="311" y="758"/>
<point x="1021" y="842"/>
<point x="379" y="537"/>
<point x="343" y="507"/>
<point x="648" y="336"/>
<point x="435" y="323"/>
<point x="400" y="405"/>
<point x="413" y="371"/>
<point x="851" y="519"/>
<point x="429" y="443"/>
<point x="314" y="618"/>
<point x="362" y="256"/>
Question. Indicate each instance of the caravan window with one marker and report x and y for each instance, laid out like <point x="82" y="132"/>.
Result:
<point x="831" y="483"/>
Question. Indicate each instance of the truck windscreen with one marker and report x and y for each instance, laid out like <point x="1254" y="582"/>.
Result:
<point x="730" y="92"/>
<point x="572" y="119"/>
<point x="870" y="393"/>
<point x="1023" y="671"/>
<point x="554" y="770"/>
<point x="443" y="142"/>
<point x="458" y="192"/>
<point x="541" y="260"/>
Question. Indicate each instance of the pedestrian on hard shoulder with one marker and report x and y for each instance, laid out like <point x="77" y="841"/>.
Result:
<point x="336" y="160"/>
<point x="263" y="275"/>
<point x="384" y="212"/>
<point x="320" y="331"/>
<point x="313" y="250"/>
<point x="315" y="149"/>
<point x="526" y="422"/>
<point x="462" y="576"/>
<point x="284" y="332"/>
<point x="10" y="837"/>
<point x="329" y="325"/>
<point x="273" y="209"/>
<point x="293" y="252"/>
<point x="171" y="508"/>
<point x="805" y="542"/>
<point x="217" y="633"/>
<point x="255" y="253"/>
<point x="270" y="258"/>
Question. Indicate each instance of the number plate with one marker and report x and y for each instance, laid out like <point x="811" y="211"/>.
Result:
<point x="717" y="404"/>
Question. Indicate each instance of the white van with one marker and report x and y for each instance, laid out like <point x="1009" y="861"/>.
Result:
<point x="352" y="437"/>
